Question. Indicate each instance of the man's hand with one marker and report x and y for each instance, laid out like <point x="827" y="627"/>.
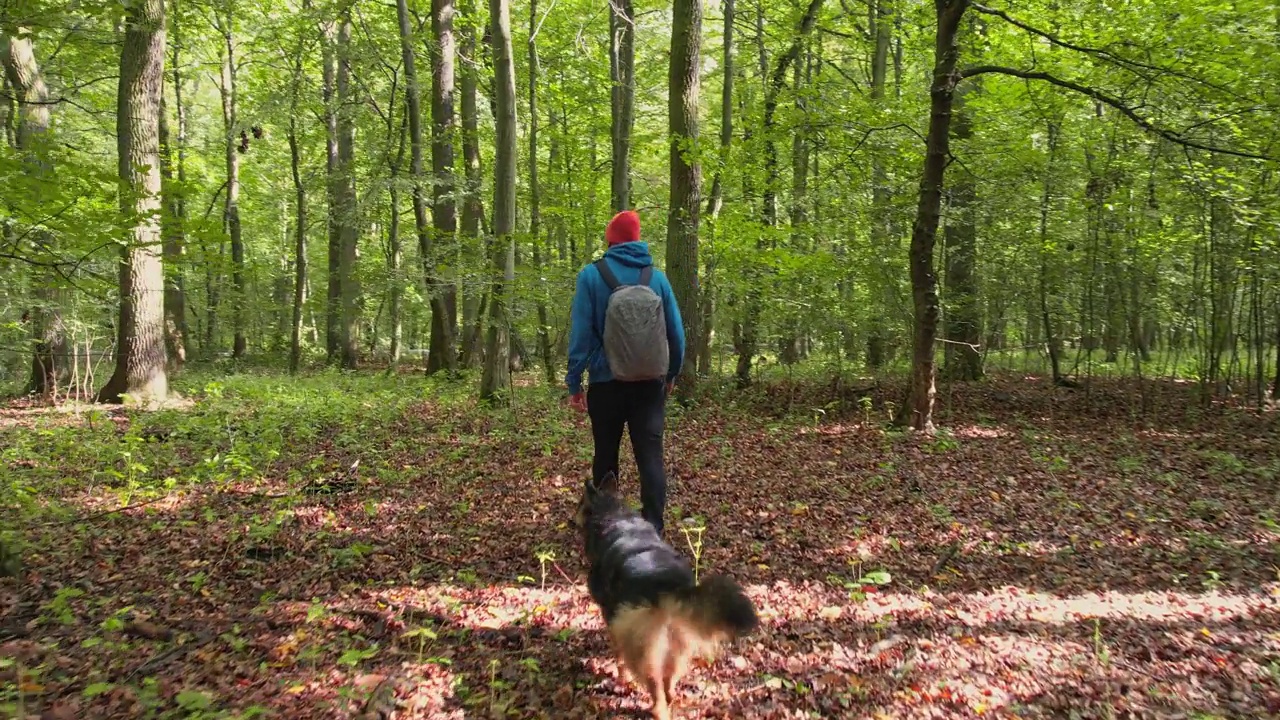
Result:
<point x="578" y="402"/>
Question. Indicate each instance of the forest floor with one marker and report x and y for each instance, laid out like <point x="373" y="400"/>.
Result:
<point x="371" y="546"/>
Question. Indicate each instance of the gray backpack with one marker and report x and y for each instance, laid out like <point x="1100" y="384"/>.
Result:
<point x="635" y="328"/>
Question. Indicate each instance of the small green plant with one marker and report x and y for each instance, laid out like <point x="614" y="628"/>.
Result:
<point x="1101" y="652"/>
<point x="422" y="635"/>
<point x="692" y="529"/>
<point x="865" y="404"/>
<point x="59" y="607"/>
<point x="545" y="556"/>
<point x="940" y="512"/>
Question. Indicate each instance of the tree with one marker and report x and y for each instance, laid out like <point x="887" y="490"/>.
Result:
<point x="497" y="372"/>
<point x="233" y="144"/>
<point x="964" y="314"/>
<point x="50" y="354"/>
<point x="715" y="202"/>
<point x="346" y="207"/>
<point x="535" y="199"/>
<point x="622" y="77"/>
<point x="777" y="79"/>
<point x="686" y="174"/>
<point x="333" y="189"/>
<point x="175" y="292"/>
<point x="300" y="264"/>
<point x="473" y="305"/>
<point x="140" y="370"/>
<point x="442" y="354"/>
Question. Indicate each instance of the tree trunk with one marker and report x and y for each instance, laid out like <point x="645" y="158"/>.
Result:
<point x="333" y="296"/>
<point x="496" y="378"/>
<point x="348" y="219"/>
<point x="1049" y="311"/>
<point x="918" y="411"/>
<point x="233" y="146"/>
<point x="300" y="234"/>
<point x="535" y="213"/>
<point x="175" y="241"/>
<point x="716" y="201"/>
<point x="964" y="314"/>
<point x="472" y="207"/>
<point x="686" y="175"/>
<point x="49" y="362"/>
<point x="881" y="199"/>
<point x="140" y="354"/>
<point x="442" y="352"/>
<point x="395" y="252"/>
<point x="622" y="75"/>
<point x="790" y="343"/>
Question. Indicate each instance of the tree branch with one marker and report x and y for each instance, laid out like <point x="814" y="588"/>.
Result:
<point x="1102" y="97"/>
<point x="1101" y="53"/>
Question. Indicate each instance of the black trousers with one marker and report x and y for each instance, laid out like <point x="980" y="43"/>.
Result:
<point x="641" y="407"/>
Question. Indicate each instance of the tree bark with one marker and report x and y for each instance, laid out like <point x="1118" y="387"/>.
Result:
<point x="348" y="221"/>
<point x="175" y="241"/>
<point x="140" y="370"/>
<point x="686" y="175"/>
<point x="395" y="251"/>
<point x="716" y="200"/>
<point x="622" y="76"/>
<point x="233" y="146"/>
<point x="918" y="410"/>
<point x="1050" y="312"/>
<point x="962" y="356"/>
<point x="442" y="352"/>
<point x="881" y="198"/>
<point x="496" y="379"/>
<point x="300" y="235"/>
<point x="50" y="353"/>
<point x="472" y="206"/>
<point x="333" y="296"/>
<point x="535" y="201"/>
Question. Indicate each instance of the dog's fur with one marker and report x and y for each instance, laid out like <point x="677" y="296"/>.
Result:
<point x="658" y="617"/>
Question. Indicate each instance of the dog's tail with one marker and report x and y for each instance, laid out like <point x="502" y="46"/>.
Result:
<point x="717" y="608"/>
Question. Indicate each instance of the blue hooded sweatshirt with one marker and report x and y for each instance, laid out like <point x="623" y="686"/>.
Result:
<point x="586" y="335"/>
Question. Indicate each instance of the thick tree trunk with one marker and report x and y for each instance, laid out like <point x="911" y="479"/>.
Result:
<point x="472" y="207"/>
<point x="622" y="62"/>
<point x="140" y="370"/>
<point x="535" y="201"/>
<point x="442" y="352"/>
<point x="962" y="356"/>
<point x="50" y="368"/>
<point x="348" y="219"/>
<point x="175" y="241"/>
<point x="233" y="146"/>
<point x="496" y="378"/>
<point x="918" y="411"/>
<point x="686" y="176"/>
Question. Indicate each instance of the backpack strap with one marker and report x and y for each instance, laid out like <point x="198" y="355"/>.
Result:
<point x="602" y="266"/>
<point x="646" y="274"/>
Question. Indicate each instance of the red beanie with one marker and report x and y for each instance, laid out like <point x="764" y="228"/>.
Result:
<point x="624" y="227"/>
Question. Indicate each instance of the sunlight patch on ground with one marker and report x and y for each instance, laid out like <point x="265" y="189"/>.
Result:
<point x="980" y="431"/>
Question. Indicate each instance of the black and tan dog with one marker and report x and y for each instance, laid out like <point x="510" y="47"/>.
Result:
<point x="658" y="617"/>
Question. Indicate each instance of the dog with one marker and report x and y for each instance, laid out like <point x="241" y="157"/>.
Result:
<point x="658" y="617"/>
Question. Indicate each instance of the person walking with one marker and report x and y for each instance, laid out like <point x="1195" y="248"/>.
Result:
<point x="627" y="335"/>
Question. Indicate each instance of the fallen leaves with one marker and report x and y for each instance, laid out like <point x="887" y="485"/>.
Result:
<point x="1070" y="560"/>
